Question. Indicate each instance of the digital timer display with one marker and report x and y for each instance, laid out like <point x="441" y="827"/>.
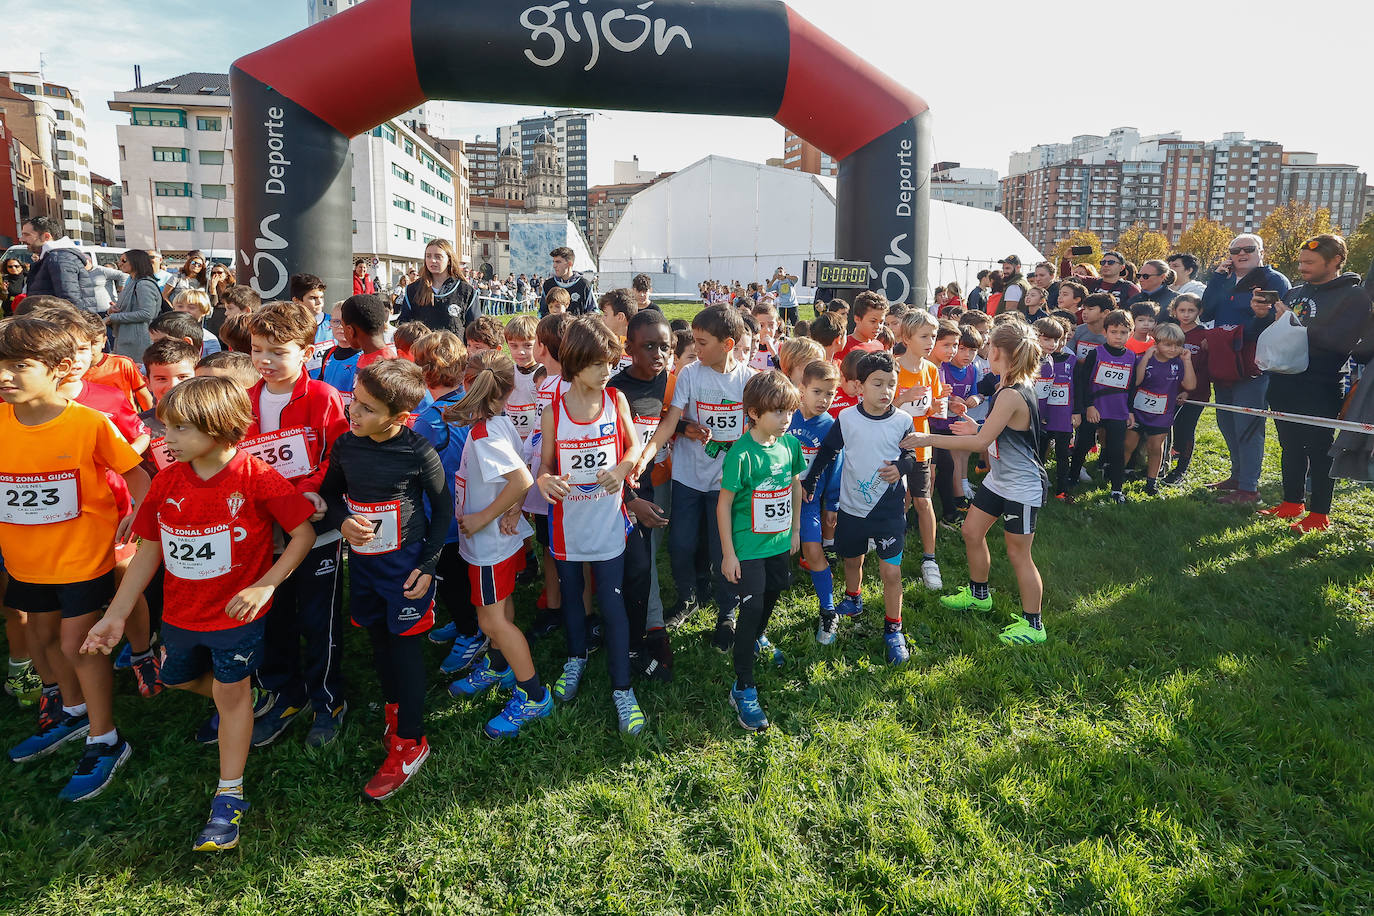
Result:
<point x="837" y="274"/>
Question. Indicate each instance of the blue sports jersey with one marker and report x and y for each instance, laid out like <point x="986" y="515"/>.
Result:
<point x="448" y="440"/>
<point x="811" y="433"/>
<point x="339" y="373"/>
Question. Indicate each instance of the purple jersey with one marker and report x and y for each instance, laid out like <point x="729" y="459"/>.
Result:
<point x="1157" y="394"/>
<point x="1111" y="382"/>
<point x="1054" y="391"/>
<point x="961" y="383"/>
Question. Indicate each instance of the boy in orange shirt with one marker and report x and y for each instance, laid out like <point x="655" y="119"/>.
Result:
<point x="920" y="394"/>
<point x="59" y="523"/>
<point x="118" y="372"/>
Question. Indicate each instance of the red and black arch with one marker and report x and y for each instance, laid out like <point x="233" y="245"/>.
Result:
<point x="297" y="103"/>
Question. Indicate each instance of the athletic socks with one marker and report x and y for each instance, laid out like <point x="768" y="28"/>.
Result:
<point x="19" y="665"/>
<point x="496" y="659"/>
<point x="1033" y="620"/>
<point x="140" y="656"/>
<point x="892" y="626"/>
<point x="109" y="739"/>
<point x="533" y="689"/>
<point x="232" y="787"/>
<point x="979" y="589"/>
<point x="824" y="583"/>
<point x="927" y="556"/>
<point x="78" y="710"/>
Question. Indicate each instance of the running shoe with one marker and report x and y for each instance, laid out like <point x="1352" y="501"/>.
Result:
<point x="828" y="628"/>
<point x="275" y="722"/>
<point x="148" y="673"/>
<point x="125" y="658"/>
<point x="54" y="730"/>
<point x="680" y="613"/>
<point x="24" y="684"/>
<point x="1283" y="510"/>
<point x="1174" y="478"/>
<point x="481" y="679"/>
<point x="963" y="600"/>
<point x="747" y="709"/>
<point x="1021" y="633"/>
<point x="930" y="575"/>
<point x="221" y="831"/>
<point x="95" y="769"/>
<point x="403" y="759"/>
<point x="850" y="606"/>
<point x="767" y="652"/>
<point x="1151" y="487"/>
<point x="570" y="680"/>
<point x="897" y="652"/>
<point x="627" y="711"/>
<point x="723" y="640"/>
<point x="447" y="633"/>
<point x="1118" y="497"/>
<point x="325" y="728"/>
<point x="466" y="650"/>
<point x="1312" y="521"/>
<point x="519" y="711"/>
<point x="656" y="656"/>
<point x="208" y="733"/>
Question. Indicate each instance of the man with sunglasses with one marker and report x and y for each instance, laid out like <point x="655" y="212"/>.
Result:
<point x="1111" y="281"/>
<point x="1226" y="302"/>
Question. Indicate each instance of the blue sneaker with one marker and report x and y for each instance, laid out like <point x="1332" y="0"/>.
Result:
<point x="627" y="711"/>
<point x="125" y="659"/>
<point x="481" y="679"/>
<point x="518" y="711"/>
<point x="95" y="769"/>
<point x="851" y="606"/>
<point x="447" y="633"/>
<point x="897" y="652"/>
<point x="746" y="705"/>
<point x="51" y="735"/>
<point x="571" y="678"/>
<point x="274" y="722"/>
<point x="466" y="650"/>
<point x="221" y="831"/>
<point x="767" y="652"/>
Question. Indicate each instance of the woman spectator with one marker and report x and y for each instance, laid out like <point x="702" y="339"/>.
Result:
<point x="362" y="283"/>
<point x="1336" y="311"/>
<point x="956" y="295"/>
<point x="441" y="299"/>
<point x="192" y="275"/>
<point x="220" y="280"/>
<point x="108" y="282"/>
<point x="11" y="284"/>
<point x="139" y="303"/>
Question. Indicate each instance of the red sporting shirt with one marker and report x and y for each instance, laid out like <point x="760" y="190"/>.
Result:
<point x="216" y="535"/>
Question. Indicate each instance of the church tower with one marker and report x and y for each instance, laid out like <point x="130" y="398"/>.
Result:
<point x="546" y="184"/>
<point x="510" y="180"/>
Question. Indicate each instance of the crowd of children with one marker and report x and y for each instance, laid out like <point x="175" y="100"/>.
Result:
<point x="209" y="521"/>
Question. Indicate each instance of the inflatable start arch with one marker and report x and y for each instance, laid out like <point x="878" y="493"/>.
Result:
<point x="297" y="103"/>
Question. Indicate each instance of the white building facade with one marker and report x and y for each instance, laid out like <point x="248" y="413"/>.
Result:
<point x="176" y="165"/>
<point x="69" y="154"/>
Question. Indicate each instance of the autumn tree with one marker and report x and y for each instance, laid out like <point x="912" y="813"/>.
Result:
<point x="1361" y="244"/>
<point x="1079" y="238"/>
<point x="1139" y="244"/>
<point x="1286" y="229"/>
<point x="1207" y="241"/>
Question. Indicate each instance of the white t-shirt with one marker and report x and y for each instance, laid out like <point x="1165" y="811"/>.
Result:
<point x="520" y="406"/>
<point x="270" y="407"/>
<point x="492" y="451"/>
<point x="713" y="399"/>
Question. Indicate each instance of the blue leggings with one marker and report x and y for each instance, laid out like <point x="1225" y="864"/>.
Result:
<point x="609" y="576"/>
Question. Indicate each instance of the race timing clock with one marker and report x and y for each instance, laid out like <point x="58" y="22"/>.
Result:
<point x="836" y="274"/>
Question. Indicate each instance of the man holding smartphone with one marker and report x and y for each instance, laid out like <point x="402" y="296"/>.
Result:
<point x="1111" y="281"/>
<point x="1227" y="302"/>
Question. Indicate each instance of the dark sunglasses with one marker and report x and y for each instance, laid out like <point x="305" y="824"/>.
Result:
<point x="1145" y="276"/>
<point x="1108" y="263"/>
<point x="1243" y="249"/>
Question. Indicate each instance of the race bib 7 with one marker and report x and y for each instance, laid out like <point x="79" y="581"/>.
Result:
<point x="386" y="525"/>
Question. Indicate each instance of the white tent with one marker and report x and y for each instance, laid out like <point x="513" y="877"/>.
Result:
<point x="725" y="219"/>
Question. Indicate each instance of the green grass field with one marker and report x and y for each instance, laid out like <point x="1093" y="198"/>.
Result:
<point x="1193" y="738"/>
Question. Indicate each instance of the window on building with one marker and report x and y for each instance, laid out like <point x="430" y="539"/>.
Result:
<point x="402" y="174"/>
<point x="214" y="191"/>
<point x="211" y="156"/>
<point x="175" y="223"/>
<point x="355" y="227"/>
<point x="158" y="117"/>
<point x="402" y="203"/>
<point x="215" y="224"/>
<point x="171" y="189"/>
<point x="169" y="154"/>
<point x="401" y="232"/>
<point x="209" y="123"/>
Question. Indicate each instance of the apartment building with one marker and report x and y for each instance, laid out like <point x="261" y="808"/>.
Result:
<point x="800" y="156"/>
<point x="57" y="132"/>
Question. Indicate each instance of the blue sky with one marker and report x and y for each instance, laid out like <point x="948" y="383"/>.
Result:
<point x="1004" y="77"/>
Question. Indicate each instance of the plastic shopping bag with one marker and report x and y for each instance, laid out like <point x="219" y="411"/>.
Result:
<point x="1282" y="347"/>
